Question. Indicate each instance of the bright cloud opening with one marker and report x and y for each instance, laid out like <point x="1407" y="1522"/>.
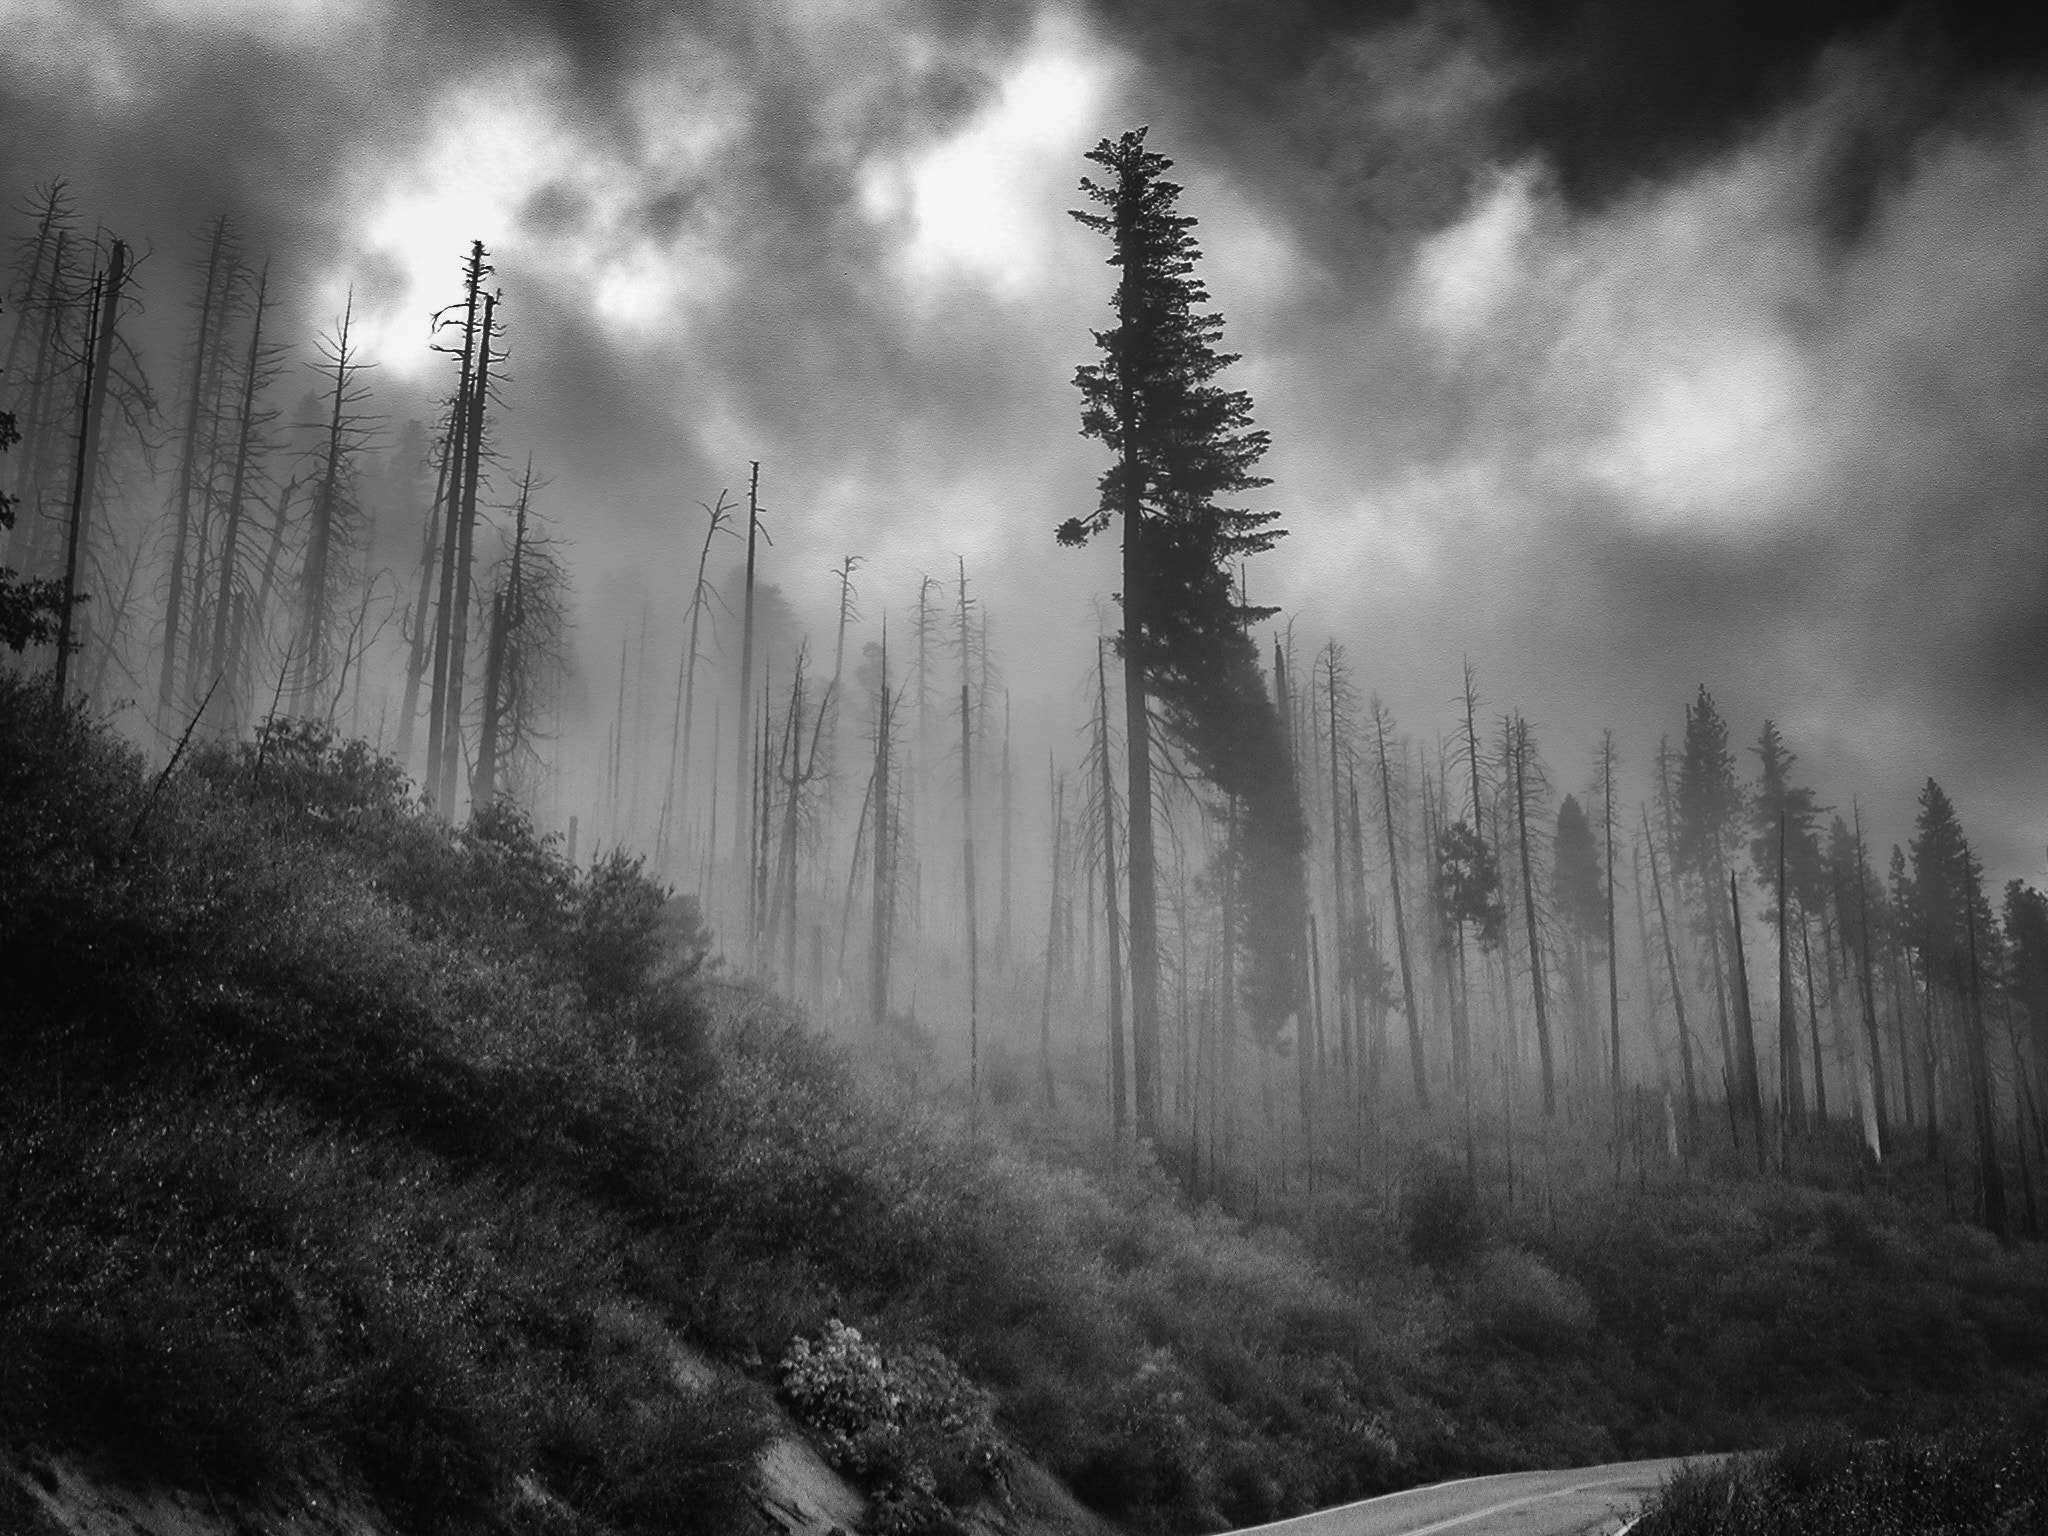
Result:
<point x="983" y="201"/>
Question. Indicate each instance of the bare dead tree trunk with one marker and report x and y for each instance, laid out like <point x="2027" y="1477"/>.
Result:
<point x="1369" y="1054"/>
<point x="967" y="882"/>
<point x="51" y="208"/>
<point x="230" y="550"/>
<point x="1790" y="1090"/>
<point x="1003" y="891"/>
<point x="1057" y="784"/>
<point x="1743" y="1016"/>
<point x="458" y="626"/>
<point x="880" y="918"/>
<point x="1870" y="1029"/>
<point x="36" y="428"/>
<point x="740" y="774"/>
<point x="92" y="396"/>
<point x="1692" y="1106"/>
<point x="1820" y="1082"/>
<point x="506" y="616"/>
<point x="686" y="700"/>
<point x="1110" y="919"/>
<point x="313" y="608"/>
<point x="1341" y="914"/>
<point x="449" y="615"/>
<point x="188" y="452"/>
<point x="1613" y="949"/>
<point x="1543" y="1047"/>
<point x="1143" y="872"/>
<point x="1415" y="1057"/>
<point x="1996" y="1219"/>
<point x="438" y="521"/>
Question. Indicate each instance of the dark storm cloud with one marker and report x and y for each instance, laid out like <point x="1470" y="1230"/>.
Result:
<point x="1612" y="93"/>
<point x="1693" y="437"/>
<point x="1879" y="585"/>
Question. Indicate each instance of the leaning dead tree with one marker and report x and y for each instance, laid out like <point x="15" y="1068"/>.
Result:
<point x="675" y="806"/>
<point x="334" y="516"/>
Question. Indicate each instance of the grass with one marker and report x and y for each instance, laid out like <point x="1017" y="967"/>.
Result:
<point x="341" y="1144"/>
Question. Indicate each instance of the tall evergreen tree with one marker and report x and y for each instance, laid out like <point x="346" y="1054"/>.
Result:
<point x="1181" y="444"/>
<point x="2026" y="939"/>
<point x="1775" y="795"/>
<point x="1947" y="881"/>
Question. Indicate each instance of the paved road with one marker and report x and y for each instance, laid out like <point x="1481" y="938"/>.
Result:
<point x="1571" y="1503"/>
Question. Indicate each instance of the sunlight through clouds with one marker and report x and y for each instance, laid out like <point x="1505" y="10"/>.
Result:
<point x="507" y="169"/>
<point x="1647" y="350"/>
<point x="983" y="201"/>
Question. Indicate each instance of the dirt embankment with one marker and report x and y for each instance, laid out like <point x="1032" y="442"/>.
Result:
<point x="796" y="1493"/>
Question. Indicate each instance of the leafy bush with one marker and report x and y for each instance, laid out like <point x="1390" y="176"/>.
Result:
<point x="618" y="932"/>
<point x="1516" y="1298"/>
<point x="1972" y="1482"/>
<point x="332" y="1132"/>
<point x="914" y="1431"/>
<point x="1441" y="1213"/>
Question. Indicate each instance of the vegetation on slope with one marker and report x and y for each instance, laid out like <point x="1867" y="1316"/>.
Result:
<point x="1966" y="1482"/>
<point x="339" y="1143"/>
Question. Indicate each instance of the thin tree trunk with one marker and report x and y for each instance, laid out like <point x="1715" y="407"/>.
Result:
<point x="1692" y="1104"/>
<point x="26" y="540"/>
<point x="1877" y="1086"/>
<point x="506" y="616"/>
<point x="174" y="602"/>
<point x="1415" y="1057"/>
<point x="447" y="615"/>
<point x="313" y="617"/>
<point x="1143" y="877"/>
<point x="1742" y="1013"/>
<point x="1613" y="950"/>
<point x="1111" y="924"/>
<point x="679" y="765"/>
<point x="92" y="415"/>
<point x="747" y="627"/>
<point x="1996" y="1219"/>
<point x="422" y="648"/>
<point x="1368" y="1054"/>
<point x="1791" y="1091"/>
<point x="1058" y="784"/>
<point x="1820" y="1084"/>
<point x="884" y="894"/>
<point x="1003" y="898"/>
<point x="458" y="627"/>
<point x="232" y="533"/>
<point x="1521" y="747"/>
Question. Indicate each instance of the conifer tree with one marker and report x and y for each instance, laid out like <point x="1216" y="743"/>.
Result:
<point x="1181" y="444"/>
<point x="1706" y="814"/>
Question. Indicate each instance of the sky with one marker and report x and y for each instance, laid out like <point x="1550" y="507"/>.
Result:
<point x="1619" y="347"/>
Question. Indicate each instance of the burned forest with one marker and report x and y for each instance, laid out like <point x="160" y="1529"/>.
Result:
<point x="717" y="819"/>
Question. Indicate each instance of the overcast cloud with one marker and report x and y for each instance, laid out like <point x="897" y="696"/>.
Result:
<point x="1621" y="347"/>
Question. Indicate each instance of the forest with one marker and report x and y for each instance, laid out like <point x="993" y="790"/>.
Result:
<point x="1484" y="1045"/>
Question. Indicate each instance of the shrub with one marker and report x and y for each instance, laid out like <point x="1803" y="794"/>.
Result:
<point x="1965" y="1482"/>
<point x="1441" y="1215"/>
<point x="617" y="938"/>
<point x="910" y="1428"/>
<point x="1516" y="1298"/>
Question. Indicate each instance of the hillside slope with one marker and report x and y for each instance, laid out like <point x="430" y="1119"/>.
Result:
<point x="343" y="1149"/>
<point x="344" y="1145"/>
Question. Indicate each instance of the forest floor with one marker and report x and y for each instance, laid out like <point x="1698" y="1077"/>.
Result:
<point x="345" y="1149"/>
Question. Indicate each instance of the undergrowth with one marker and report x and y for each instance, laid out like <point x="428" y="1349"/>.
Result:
<point x="339" y="1142"/>
<point x="1963" y="1482"/>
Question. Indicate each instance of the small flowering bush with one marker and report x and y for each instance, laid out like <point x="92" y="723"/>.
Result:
<point x="914" y="1432"/>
